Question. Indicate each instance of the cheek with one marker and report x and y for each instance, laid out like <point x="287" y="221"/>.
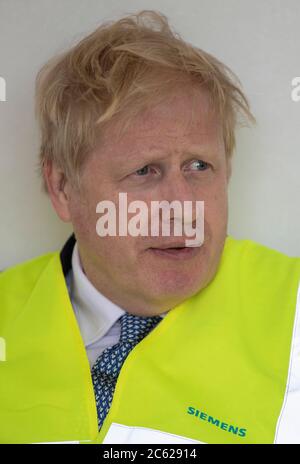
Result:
<point x="80" y="221"/>
<point x="216" y="205"/>
<point x="117" y="255"/>
<point x="84" y="217"/>
<point x="84" y="206"/>
<point x="220" y="196"/>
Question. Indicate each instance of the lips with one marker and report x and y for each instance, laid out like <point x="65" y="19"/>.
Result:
<point x="170" y="245"/>
<point x="176" y="251"/>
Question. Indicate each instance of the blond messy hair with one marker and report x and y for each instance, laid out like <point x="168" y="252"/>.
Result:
<point x="120" y="69"/>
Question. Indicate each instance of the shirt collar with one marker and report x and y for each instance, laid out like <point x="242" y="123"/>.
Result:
<point x="95" y="313"/>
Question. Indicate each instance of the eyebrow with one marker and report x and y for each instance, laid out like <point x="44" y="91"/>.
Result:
<point x="160" y="155"/>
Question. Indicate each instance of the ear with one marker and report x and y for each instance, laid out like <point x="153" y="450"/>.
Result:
<point x="58" y="190"/>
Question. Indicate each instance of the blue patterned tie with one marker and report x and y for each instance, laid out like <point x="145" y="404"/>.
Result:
<point x="106" y="369"/>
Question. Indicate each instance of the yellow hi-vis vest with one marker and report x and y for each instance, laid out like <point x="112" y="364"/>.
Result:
<point x="221" y="367"/>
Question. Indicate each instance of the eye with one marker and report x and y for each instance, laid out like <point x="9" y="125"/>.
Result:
<point x="143" y="171"/>
<point x="147" y="171"/>
<point x="200" y="165"/>
<point x="146" y="174"/>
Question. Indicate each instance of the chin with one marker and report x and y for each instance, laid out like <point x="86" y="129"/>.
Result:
<point x="178" y="286"/>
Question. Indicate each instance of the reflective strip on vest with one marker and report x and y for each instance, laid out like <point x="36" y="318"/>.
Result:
<point x="222" y="367"/>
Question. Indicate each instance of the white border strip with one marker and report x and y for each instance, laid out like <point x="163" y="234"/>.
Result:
<point x="288" y="424"/>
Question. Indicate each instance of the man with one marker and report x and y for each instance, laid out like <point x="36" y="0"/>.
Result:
<point x="127" y="338"/>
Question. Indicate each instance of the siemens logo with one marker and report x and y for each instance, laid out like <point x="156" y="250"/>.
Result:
<point x="222" y="425"/>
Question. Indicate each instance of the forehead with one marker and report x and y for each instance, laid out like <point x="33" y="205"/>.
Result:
<point x="180" y="120"/>
<point x="182" y="113"/>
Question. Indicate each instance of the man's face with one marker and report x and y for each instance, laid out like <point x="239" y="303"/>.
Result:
<point x="164" y="155"/>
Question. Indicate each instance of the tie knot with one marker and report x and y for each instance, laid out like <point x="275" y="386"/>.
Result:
<point x="135" y="328"/>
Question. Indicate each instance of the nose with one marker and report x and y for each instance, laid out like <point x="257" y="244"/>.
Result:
<point x="176" y="187"/>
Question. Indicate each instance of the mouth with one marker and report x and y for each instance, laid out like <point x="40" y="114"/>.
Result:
<point x="175" y="252"/>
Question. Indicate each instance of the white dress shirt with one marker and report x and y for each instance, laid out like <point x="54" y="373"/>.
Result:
<point x="97" y="316"/>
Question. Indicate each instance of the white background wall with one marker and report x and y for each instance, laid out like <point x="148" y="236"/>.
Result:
<point x="259" y="40"/>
